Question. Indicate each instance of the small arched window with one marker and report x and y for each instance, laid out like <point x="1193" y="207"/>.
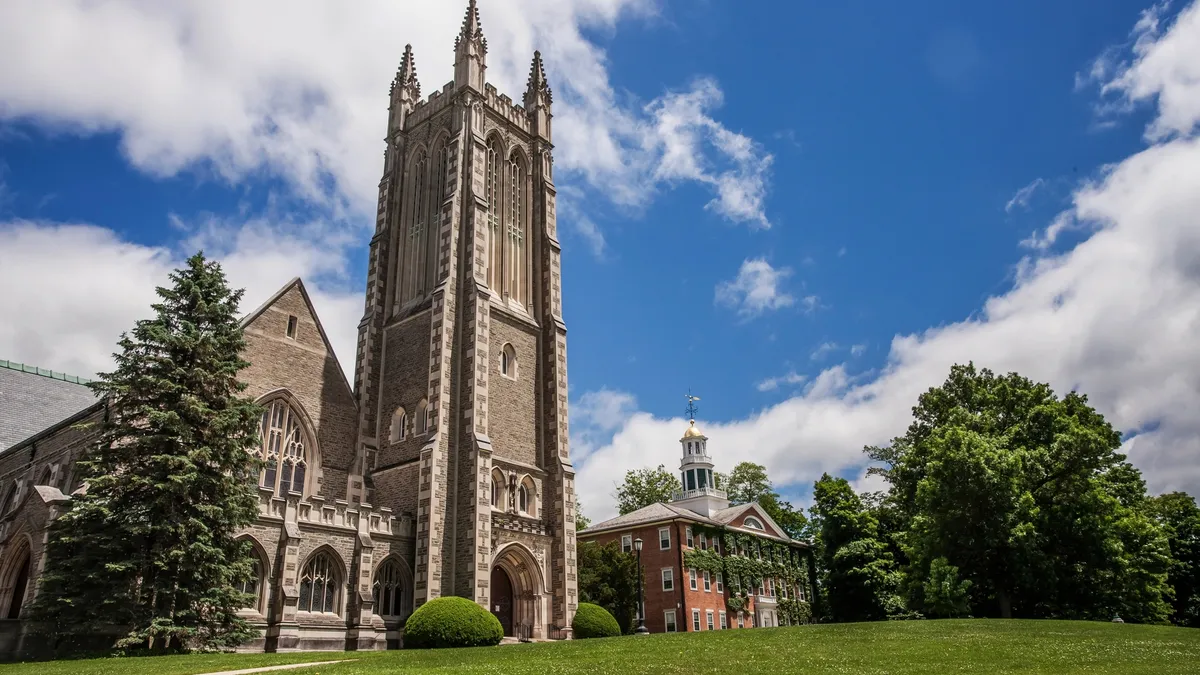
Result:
<point x="499" y="490"/>
<point x="399" y="425"/>
<point x="508" y="361"/>
<point x="319" y="585"/>
<point x="388" y="590"/>
<point x="284" y="448"/>
<point x="422" y="417"/>
<point x="753" y="523"/>
<point x="523" y="499"/>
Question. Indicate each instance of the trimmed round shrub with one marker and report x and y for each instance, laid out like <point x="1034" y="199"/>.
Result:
<point x="593" y="621"/>
<point x="451" y="622"/>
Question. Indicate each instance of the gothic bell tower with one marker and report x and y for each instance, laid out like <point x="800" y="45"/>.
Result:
<point x="461" y="371"/>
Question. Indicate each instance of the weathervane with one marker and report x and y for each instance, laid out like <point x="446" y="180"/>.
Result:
<point x="691" y="408"/>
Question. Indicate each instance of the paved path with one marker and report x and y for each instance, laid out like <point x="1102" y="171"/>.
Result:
<point x="290" y="666"/>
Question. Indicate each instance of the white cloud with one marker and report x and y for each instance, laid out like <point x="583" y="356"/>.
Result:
<point x="1115" y="317"/>
<point x="773" y="383"/>
<point x="1022" y="196"/>
<point x="80" y="286"/>
<point x="756" y="289"/>
<point x="858" y="350"/>
<point x="824" y="349"/>
<point x="298" y="89"/>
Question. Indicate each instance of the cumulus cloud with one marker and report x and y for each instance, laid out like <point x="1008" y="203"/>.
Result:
<point x="824" y="349"/>
<point x="773" y="383"/>
<point x="298" y="89"/>
<point x="79" y="286"/>
<point x="1115" y="317"/>
<point x="756" y="289"/>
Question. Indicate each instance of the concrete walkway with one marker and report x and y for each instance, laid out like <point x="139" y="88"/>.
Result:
<point x="264" y="669"/>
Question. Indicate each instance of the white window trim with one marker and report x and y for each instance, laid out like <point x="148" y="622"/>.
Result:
<point x="720" y="583"/>
<point x="670" y="624"/>
<point x="661" y="531"/>
<point x="708" y="619"/>
<point x="707" y="582"/>
<point x="627" y="543"/>
<point x="722" y="625"/>
<point x="757" y="523"/>
<point x="668" y="577"/>
<point x="690" y="542"/>
<point x="703" y="542"/>
<point x="692" y="578"/>
<point x="696" y="620"/>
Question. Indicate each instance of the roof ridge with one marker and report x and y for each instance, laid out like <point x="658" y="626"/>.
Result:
<point x="44" y="372"/>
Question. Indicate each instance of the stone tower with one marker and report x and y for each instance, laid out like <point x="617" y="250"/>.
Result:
<point x="461" y="373"/>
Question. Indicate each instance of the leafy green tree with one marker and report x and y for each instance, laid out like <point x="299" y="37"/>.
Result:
<point x="644" y="487"/>
<point x="859" y="575"/>
<point x="748" y="482"/>
<point x="1027" y="495"/>
<point x="945" y="593"/>
<point x="608" y="577"/>
<point x="582" y="522"/>
<point x="1179" y="516"/>
<point x="149" y="546"/>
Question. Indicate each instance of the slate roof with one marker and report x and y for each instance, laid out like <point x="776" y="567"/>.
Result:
<point x="665" y="511"/>
<point x="33" y="399"/>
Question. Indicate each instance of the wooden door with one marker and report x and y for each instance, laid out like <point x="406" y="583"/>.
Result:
<point x="502" y="599"/>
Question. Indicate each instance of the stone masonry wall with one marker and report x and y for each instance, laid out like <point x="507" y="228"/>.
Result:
<point x="405" y="382"/>
<point x="513" y="407"/>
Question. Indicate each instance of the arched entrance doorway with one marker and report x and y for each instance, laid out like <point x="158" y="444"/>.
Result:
<point x="518" y="589"/>
<point x="502" y="599"/>
<point x="15" y="581"/>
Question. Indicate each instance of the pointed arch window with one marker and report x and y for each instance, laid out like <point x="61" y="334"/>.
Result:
<point x="10" y="499"/>
<point x="388" y="590"/>
<point x="284" y="448"/>
<point x="253" y="585"/>
<point x="516" y="244"/>
<point x="413" y="285"/>
<point x="492" y="191"/>
<point x="422" y="417"/>
<point x="499" y="490"/>
<point x="319" y="585"/>
<point x="508" y="361"/>
<point x="399" y="428"/>
<point x="20" y="583"/>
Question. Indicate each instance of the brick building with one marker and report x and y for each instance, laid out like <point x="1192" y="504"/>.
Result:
<point x="444" y="469"/>
<point x="708" y="565"/>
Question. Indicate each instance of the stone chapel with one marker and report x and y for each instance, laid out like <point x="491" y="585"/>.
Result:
<point x="443" y="468"/>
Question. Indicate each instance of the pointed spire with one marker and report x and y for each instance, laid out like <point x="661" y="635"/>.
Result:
<point x="406" y="76"/>
<point x="472" y="28"/>
<point x="537" y="83"/>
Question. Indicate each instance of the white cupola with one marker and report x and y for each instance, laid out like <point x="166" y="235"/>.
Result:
<point x="699" y="493"/>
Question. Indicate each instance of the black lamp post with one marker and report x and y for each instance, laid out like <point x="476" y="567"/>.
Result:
<point x="641" y="629"/>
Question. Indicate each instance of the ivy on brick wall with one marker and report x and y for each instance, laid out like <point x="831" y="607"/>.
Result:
<point x="747" y="560"/>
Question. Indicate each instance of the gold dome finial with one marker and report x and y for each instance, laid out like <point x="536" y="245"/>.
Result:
<point x="692" y="431"/>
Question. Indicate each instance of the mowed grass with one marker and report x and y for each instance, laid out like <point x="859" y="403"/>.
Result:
<point x="969" y="646"/>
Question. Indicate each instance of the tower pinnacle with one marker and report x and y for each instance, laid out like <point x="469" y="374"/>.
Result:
<point x="537" y="89"/>
<point x="470" y="51"/>
<point x="406" y="75"/>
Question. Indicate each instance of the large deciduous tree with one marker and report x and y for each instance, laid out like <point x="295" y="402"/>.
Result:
<point x="608" y="577"/>
<point x="1178" y="514"/>
<point x="1027" y="495"/>
<point x="859" y="577"/>
<point x="644" y="487"/>
<point x="150" y="545"/>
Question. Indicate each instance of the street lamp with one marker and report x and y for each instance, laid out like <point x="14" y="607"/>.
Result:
<point x="641" y="629"/>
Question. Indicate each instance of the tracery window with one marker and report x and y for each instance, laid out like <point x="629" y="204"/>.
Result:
<point x="388" y="589"/>
<point x="319" y="585"/>
<point x="493" y="193"/>
<point x="284" y="448"/>
<point x="414" y="245"/>
<point x="516" y="258"/>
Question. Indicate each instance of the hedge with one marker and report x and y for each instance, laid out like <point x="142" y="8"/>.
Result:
<point x="451" y="622"/>
<point x="593" y="621"/>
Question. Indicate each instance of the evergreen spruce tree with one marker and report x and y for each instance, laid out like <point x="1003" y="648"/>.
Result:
<point x="149" y="546"/>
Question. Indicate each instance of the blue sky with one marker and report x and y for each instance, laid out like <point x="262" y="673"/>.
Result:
<point x="876" y="154"/>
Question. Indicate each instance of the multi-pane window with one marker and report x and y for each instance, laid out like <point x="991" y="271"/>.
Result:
<point x="720" y="583"/>
<point x="709" y="616"/>
<point x="627" y="543"/>
<point x="669" y="620"/>
<point x="707" y="583"/>
<point x="516" y="230"/>
<point x="703" y="542"/>
<point x="722" y="624"/>
<point x="319" y="585"/>
<point x="696" y="620"/>
<point x="668" y="579"/>
<point x="282" y="448"/>
<point x="664" y="538"/>
<point x="692" y="578"/>
<point x="492" y="177"/>
<point x="388" y="591"/>
<point x="741" y="620"/>
<point x="689" y="537"/>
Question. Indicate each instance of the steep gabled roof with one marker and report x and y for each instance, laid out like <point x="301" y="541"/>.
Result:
<point x="660" y="512"/>
<point x="299" y="284"/>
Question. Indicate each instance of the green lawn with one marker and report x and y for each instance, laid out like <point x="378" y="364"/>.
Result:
<point x="978" y="646"/>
